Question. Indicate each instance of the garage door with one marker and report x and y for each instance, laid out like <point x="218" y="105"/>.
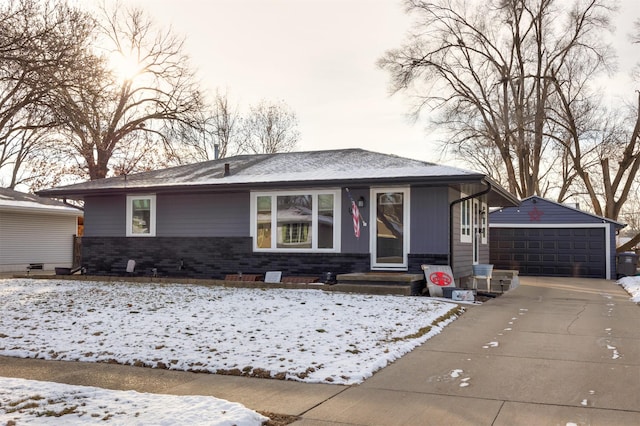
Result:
<point x="560" y="252"/>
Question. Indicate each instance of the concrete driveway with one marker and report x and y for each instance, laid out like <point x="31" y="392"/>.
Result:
<point x="551" y="352"/>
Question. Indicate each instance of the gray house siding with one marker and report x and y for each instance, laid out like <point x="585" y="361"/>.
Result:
<point x="193" y="215"/>
<point x="463" y="251"/>
<point x="348" y="241"/>
<point x="105" y="216"/>
<point x="429" y="220"/>
<point x="203" y="215"/>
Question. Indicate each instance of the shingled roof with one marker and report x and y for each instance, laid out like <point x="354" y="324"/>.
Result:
<point x="311" y="168"/>
<point x="11" y="200"/>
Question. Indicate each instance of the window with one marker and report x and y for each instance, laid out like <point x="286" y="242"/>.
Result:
<point x="465" y="221"/>
<point x="141" y="216"/>
<point x="292" y="221"/>
<point x="295" y="234"/>
<point x="263" y="235"/>
<point x="294" y="217"/>
<point x="483" y="223"/>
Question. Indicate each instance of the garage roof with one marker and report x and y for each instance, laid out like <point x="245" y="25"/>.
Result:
<point x="11" y="200"/>
<point x="540" y="211"/>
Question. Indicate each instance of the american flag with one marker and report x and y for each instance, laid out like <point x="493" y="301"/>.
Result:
<point x="355" y="212"/>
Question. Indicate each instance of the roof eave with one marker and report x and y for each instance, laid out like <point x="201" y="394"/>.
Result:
<point x="78" y="193"/>
<point x="499" y="197"/>
<point x="70" y="211"/>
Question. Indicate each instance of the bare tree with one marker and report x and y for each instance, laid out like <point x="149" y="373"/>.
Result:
<point x="136" y="86"/>
<point x="269" y="128"/>
<point x="605" y="153"/>
<point x="629" y="157"/>
<point x="491" y="73"/>
<point x="39" y="45"/>
<point x="216" y="135"/>
<point x="223" y="126"/>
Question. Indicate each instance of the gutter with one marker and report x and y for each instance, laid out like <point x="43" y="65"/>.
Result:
<point x="221" y="186"/>
<point x="458" y="201"/>
<point x="66" y="203"/>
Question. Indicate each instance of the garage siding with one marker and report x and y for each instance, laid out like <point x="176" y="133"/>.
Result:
<point x="36" y="238"/>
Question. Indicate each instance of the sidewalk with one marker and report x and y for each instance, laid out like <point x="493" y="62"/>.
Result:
<point x="552" y="351"/>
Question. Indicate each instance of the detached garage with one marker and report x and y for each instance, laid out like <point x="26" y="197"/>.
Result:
<point x="35" y="230"/>
<point x="544" y="238"/>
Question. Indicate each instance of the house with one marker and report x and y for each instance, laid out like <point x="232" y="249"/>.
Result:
<point x="35" y="230"/>
<point x="302" y="213"/>
<point x="544" y="238"/>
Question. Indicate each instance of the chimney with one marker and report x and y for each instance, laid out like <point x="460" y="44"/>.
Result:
<point x="216" y="151"/>
<point x="227" y="170"/>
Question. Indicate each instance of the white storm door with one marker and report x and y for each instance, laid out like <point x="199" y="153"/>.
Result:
<point x="389" y="228"/>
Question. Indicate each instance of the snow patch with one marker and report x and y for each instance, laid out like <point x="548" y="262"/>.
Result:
<point x="632" y="286"/>
<point x="46" y="403"/>
<point x="456" y="373"/>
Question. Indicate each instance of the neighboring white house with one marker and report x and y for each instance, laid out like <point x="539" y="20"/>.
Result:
<point x="35" y="230"/>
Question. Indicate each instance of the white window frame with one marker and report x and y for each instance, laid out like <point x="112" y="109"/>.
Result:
<point x="337" y="210"/>
<point x="152" y="215"/>
<point x="466" y="216"/>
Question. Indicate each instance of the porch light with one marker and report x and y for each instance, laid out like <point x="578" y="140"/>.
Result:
<point x="361" y="202"/>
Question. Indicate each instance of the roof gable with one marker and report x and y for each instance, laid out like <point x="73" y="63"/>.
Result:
<point x="536" y="210"/>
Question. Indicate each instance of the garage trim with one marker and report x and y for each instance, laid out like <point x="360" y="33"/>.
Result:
<point x="607" y="234"/>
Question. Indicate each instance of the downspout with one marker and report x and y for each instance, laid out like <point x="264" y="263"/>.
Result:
<point x="453" y="203"/>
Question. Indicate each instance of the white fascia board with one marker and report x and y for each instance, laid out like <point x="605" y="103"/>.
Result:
<point x="58" y="211"/>
<point x="548" y="225"/>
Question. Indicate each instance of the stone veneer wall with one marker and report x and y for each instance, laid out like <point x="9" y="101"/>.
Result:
<point x="207" y="257"/>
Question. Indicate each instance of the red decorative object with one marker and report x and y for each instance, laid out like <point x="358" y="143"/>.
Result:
<point x="535" y="215"/>
<point x="440" y="278"/>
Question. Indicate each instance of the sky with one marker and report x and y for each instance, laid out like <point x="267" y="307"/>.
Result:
<point x="319" y="57"/>
<point x="310" y="336"/>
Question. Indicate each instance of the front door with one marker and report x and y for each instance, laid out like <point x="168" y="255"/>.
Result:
<point x="390" y="228"/>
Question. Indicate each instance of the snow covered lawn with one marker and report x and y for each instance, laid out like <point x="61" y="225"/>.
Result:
<point x="303" y="335"/>
<point x="45" y="403"/>
<point x="632" y="286"/>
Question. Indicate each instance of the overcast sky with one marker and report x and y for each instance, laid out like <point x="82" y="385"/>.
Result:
<point x="318" y="56"/>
